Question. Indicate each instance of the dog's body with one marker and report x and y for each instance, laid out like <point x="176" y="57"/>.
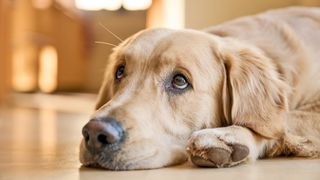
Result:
<point x="242" y="90"/>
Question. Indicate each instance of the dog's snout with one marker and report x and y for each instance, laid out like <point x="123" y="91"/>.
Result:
<point x="99" y="133"/>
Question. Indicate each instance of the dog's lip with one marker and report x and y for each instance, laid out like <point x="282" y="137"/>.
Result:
<point x="134" y="163"/>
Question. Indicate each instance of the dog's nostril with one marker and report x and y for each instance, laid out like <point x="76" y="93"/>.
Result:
<point x="86" y="135"/>
<point x="103" y="139"/>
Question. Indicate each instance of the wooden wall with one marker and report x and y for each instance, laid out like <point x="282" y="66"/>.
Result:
<point x="203" y="13"/>
<point x="5" y="49"/>
<point x="72" y="33"/>
<point x="34" y="29"/>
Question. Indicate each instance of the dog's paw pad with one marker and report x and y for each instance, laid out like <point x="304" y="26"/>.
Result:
<point x="213" y="157"/>
<point x="199" y="161"/>
<point x="239" y="153"/>
<point x="218" y="156"/>
<point x="211" y="150"/>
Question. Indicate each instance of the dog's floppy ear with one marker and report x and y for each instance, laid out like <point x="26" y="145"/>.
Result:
<point x="254" y="96"/>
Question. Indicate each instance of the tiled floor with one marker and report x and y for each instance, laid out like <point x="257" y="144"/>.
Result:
<point x="42" y="143"/>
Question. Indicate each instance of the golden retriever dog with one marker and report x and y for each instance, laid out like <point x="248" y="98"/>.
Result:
<point x="230" y="94"/>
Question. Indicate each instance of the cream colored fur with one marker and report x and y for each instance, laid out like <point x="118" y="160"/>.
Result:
<point x="255" y="93"/>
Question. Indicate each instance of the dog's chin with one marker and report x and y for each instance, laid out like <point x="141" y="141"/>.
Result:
<point x="121" y="160"/>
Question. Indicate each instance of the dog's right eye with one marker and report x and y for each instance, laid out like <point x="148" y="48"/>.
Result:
<point x="120" y="72"/>
<point x="179" y="81"/>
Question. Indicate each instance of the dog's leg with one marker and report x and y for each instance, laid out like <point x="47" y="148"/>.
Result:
<point x="232" y="145"/>
<point x="225" y="147"/>
<point x="303" y="134"/>
<point x="305" y="121"/>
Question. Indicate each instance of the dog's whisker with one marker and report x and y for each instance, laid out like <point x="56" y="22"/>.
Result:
<point x="114" y="35"/>
<point x="101" y="42"/>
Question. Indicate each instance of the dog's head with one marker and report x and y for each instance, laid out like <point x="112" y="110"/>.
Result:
<point x="161" y="85"/>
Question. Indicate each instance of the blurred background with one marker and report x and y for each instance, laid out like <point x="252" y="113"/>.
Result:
<point x="51" y="68"/>
<point x="48" y="54"/>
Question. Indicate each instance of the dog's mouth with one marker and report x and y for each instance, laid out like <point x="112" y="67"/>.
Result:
<point x="128" y="164"/>
<point x="119" y="160"/>
<point x="135" y="158"/>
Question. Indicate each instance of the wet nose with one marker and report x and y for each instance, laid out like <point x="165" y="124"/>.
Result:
<point x="99" y="133"/>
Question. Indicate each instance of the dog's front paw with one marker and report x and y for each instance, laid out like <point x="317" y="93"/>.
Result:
<point x="216" y="148"/>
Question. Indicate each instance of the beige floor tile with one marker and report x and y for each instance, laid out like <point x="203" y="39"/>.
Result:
<point x="43" y="144"/>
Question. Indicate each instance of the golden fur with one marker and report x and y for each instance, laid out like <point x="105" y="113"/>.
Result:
<point x="255" y="93"/>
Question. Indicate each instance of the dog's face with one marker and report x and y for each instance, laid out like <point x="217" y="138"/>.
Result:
<point x="158" y="87"/>
<point x="161" y="85"/>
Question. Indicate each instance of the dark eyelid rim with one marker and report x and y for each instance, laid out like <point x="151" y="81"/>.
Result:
<point x="122" y="62"/>
<point x="184" y="72"/>
<point x="168" y="81"/>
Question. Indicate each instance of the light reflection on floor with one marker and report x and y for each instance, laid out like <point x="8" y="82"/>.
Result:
<point x="40" y="139"/>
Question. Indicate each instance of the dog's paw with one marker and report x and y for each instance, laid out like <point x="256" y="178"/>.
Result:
<point x="216" y="148"/>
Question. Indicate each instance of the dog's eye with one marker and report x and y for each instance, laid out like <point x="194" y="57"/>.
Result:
<point x="120" y="72"/>
<point x="179" y="81"/>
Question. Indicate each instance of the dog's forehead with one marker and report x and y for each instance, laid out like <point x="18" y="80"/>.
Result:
<point x="144" y="42"/>
<point x="147" y="44"/>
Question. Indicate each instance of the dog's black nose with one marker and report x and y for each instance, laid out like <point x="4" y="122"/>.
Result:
<point x="99" y="133"/>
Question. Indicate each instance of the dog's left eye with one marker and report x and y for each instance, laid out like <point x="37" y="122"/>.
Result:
<point x="179" y="81"/>
<point x="120" y="72"/>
